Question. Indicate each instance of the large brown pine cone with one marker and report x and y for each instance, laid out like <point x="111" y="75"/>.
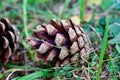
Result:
<point x="9" y="36"/>
<point x="61" y="44"/>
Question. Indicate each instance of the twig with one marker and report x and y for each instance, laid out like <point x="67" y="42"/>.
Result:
<point x="8" y="77"/>
<point x="97" y="34"/>
<point x="108" y="10"/>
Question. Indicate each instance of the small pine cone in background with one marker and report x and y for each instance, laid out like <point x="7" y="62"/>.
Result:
<point x="60" y="43"/>
<point x="9" y="37"/>
<point x="19" y="56"/>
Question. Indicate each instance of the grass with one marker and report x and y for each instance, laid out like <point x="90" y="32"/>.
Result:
<point x="25" y="17"/>
<point x="113" y="67"/>
<point x="66" y="4"/>
<point x="31" y="53"/>
<point x="69" y="13"/>
<point x="81" y="10"/>
<point x="40" y="11"/>
<point x="102" y="52"/>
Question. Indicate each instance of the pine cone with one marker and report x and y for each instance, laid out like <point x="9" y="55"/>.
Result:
<point x="61" y="44"/>
<point x="18" y="57"/>
<point x="8" y="39"/>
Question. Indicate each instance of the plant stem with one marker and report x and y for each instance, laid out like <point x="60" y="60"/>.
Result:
<point x="66" y="4"/>
<point x="26" y="29"/>
<point x="25" y="17"/>
<point x="102" y="52"/>
<point x="81" y="10"/>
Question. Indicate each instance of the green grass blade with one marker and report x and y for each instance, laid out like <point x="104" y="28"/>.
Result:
<point x="26" y="29"/>
<point x="25" y="17"/>
<point x="72" y="9"/>
<point x="31" y="52"/>
<point x="81" y="10"/>
<point x="102" y="52"/>
<point x="1" y="76"/>
<point x="46" y="14"/>
<point x="31" y="76"/>
<point x="65" y="7"/>
<point x="113" y="67"/>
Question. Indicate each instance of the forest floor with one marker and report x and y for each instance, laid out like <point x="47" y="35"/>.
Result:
<point x="99" y="18"/>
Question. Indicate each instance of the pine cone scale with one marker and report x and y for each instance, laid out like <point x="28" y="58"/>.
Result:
<point x="5" y="42"/>
<point x="63" y="53"/>
<point x="54" y="23"/>
<point x="6" y="53"/>
<point x="72" y="34"/>
<point x="51" y="55"/>
<point x="2" y="28"/>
